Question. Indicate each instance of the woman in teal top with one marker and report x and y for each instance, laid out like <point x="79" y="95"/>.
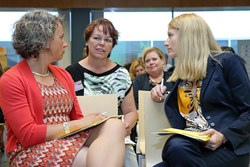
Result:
<point x="97" y="74"/>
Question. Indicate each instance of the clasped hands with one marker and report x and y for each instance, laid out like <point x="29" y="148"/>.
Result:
<point x="157" y="93"/>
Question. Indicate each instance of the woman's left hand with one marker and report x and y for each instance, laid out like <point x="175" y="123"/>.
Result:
<point x="216" y="139"/>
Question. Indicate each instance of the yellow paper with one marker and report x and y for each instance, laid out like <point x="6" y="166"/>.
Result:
<point x="191" y="134"/>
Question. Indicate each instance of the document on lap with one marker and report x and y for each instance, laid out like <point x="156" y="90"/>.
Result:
<point x="191" y="134"/>
<point x="89" y="126"/>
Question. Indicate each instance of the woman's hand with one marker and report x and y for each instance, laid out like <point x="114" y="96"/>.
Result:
<point x="56" y="130"/>
<point x="127" y="128"/>
<point x="93" y="117"/>
<point x="216" y="139"/>
<point x="129" y="112"/>
<point x="157" y="93"/>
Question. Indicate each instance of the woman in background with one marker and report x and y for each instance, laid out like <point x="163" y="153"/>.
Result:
<point x="154" y="61"/>
<point x="137" y="67"/>
<point x="39" y="105"/>
<point x="210" y="95"/>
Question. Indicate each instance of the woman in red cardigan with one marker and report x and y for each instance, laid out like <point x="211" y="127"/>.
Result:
<point x="39" y="104"/>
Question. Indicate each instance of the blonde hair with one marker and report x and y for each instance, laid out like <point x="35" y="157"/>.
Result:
<point x="195" y="44"/>
<point x="134" y="65"/>
<point x="156" y="50"/>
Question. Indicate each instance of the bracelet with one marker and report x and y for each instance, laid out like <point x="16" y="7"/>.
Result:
<point x="66" y="128"/>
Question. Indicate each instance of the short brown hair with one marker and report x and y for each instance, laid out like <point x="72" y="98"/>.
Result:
<point x="107" y="27"/>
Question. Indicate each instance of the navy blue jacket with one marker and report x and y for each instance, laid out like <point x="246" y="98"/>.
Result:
<point x="225" y="101"/>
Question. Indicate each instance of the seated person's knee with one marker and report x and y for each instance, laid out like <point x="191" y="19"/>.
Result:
<point x="115" y="126"/>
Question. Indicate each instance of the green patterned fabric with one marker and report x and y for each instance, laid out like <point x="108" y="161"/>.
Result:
<point x="115" y="81"/>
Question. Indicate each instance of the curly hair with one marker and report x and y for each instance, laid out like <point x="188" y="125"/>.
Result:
<point x="132" y="69"/>
<point x="33" y="32"/>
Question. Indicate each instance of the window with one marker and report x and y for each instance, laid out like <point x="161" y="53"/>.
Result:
<point x="6" y="32"/>
<point x="142" y="29"/>
<point x="8" y="19"/>
<point x="138" y="30"/>
<point x="228" y="28"/>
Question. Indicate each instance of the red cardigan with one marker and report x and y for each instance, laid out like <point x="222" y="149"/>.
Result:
<point x="21" y="102"/>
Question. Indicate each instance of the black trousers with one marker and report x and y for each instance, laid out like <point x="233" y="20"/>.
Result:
<point x="180" y="151"/>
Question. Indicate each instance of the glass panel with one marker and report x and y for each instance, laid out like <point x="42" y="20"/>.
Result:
<point x="150" y="29"/>
<point x="230" y="28"/>
<point x="137" y="30"/>
<point x="6" y="30"/>
<point x="127" y="51"/>
<point x="228" y="25"/>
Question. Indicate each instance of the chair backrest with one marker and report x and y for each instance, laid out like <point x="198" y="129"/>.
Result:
<point x="106" y="103"/>
<point x="152" y="118"/>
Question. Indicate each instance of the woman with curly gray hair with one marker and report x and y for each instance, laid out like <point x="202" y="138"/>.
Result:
<point x="39" y="104"/>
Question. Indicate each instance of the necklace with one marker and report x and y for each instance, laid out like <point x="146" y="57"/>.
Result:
<point x="41" y="75"/>
<point x="154" y="82"/>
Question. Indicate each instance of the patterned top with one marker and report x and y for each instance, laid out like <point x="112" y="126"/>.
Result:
<point x="190" y="107"/>
<point x="115" y="81"/>
<point x="57" y="104"/>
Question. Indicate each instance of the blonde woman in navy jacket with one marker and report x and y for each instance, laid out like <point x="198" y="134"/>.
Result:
<point x="211" y="95"/>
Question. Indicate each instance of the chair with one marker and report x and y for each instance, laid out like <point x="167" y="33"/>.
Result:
<point x="100" y="103"/>
<point x="152" y="118"/>
<point x="106" y="103"/>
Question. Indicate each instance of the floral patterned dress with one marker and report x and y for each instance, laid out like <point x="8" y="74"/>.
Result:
<point x="57" y="105"/>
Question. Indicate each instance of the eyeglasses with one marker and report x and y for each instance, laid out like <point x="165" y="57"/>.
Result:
<point x="106" y="40"/>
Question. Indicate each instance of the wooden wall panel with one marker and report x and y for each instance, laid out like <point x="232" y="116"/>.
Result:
<point x="98" y="4"/>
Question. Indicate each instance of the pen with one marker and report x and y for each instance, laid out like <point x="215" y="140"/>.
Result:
<point x="162" y="80"/>
<point x="104" y="113"/>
